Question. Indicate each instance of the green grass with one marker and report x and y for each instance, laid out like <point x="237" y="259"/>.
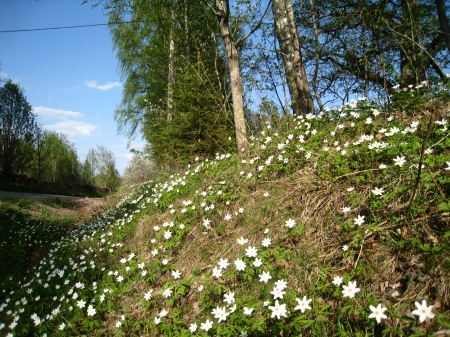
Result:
<point x="254" y="246"/>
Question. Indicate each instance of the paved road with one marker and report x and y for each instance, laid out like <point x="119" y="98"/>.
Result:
<point x="5" y="194"/>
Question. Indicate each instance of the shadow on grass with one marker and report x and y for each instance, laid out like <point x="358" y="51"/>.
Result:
<point x="25" y="241"/>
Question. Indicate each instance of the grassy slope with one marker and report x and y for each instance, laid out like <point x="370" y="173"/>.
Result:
<point x="124" y="264"/>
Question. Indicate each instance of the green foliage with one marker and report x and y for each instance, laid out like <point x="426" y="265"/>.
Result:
<point x="17" y="129"/>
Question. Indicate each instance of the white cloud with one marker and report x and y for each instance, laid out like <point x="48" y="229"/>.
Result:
<point x="104" y="87"/>
<point x="74" y="129"/>
<point x="48" y="113"/>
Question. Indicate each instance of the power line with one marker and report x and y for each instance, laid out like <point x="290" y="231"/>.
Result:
<point x="66" y="27"/>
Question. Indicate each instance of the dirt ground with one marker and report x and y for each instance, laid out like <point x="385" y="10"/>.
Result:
<point x="77" y="208"/>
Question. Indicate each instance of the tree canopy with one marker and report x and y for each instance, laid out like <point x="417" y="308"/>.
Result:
<point x="17" y="129"/>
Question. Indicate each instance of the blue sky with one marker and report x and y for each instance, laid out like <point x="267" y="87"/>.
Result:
<point x="70" y="76"/>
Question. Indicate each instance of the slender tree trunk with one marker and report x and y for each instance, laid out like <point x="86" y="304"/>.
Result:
<point x="317" y="57"/>
<point x="413" y="62"/>
<point x="443" y="22"/>
<point x="286" y="30"/>
<point x="223" y="12"/>
<point x="171" y="77"/>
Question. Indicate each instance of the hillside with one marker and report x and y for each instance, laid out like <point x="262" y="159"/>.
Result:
<point x="329" y="227"/>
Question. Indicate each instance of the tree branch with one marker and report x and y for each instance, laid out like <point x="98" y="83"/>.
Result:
<point x="256" y="27"/>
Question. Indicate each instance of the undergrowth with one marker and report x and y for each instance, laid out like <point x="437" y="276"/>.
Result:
<point x="334" y="225"/>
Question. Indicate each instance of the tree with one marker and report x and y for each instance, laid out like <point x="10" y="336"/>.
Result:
<point x="176" y="89"/>
<point x="221" y="9"/>
<point x="103" y="164"/>
<point x="17" y="128"/>
<point x="41" y="163"/>
<point x="139" y="170"/>
<point x="367" y="46"/>
<point x="55" y="158"/>
<point x="286" y="31"/>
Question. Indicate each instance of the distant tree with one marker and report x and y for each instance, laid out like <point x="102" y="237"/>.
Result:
<point x="17" y="128"/>
<point x="140" y="169"/>
<point x="104" y="164"/>
<point x="55" y="158"/>
<point x="88" y="171"/>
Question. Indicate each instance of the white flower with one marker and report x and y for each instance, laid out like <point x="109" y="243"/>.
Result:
<point x="257" y="263"/>
<point x="62" y="326"/>
<point x="350" y="189"/>
<point x="242" y="241"/>
<point x="344" y="248"/>
<point x="91" y="311"/>
<point x="118" y="324"/>
<point x="264" y="277"/>
<point x="157" y="320"/>
<point x="223" y="263"/>
<point x="163" y="313"/>
<point x="338" y="280"/>
<point x="448" y="165"/>
<point x="167" y="234"/>
<point x="207" y="325"/>
<point x="167" y="293"/>
<point x="266" y="242"/>
<point x="229" y="298"/>
<point x="81" y="304"/>
<point x="350" y="290"/>
<point x="359" y="220"/>
<point x="176" y="274"/>
<point x="377" y="313"/>
<point x="277" y="293"/>
<point x="346" y="209"/>
<point x="382" y="166"/>
<point x="290" y="223"/>
<point x="303" y="304"/>
<point x="220" y="313"/>
<point x="278" y="310"/>
<point x="227" y="217"/>
<point x="240" y="265"/>
<point x="378" y="191"/>
<point x="248" y="311"/>
<point x="217" y="272"/>
<point x="399" y="161"/>
<point x="281" y="284"/>
<point x="250" y="251"/>
<point x="423" y="311"/>
<point x="193" y="327"/>
<point x="148" y="294"/>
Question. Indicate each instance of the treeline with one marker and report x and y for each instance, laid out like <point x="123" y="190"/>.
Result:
<point x="198" y="73"/>
<point x="26" y="149"/>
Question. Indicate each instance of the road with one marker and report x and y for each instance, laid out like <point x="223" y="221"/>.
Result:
<point x="5" y="194"/>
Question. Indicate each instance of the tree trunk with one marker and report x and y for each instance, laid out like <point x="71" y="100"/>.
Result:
<point x="317" y="57"/>
<point x="286" y="30"/>
<point x="413" y="62"/>
<point x="223" y="12"/>
<point x="171" y="78"/>
<point x="443" y="22"/>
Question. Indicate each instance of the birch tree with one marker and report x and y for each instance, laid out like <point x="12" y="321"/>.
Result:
<point x="286" y="31"/>
<point x="221" y="9"/>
